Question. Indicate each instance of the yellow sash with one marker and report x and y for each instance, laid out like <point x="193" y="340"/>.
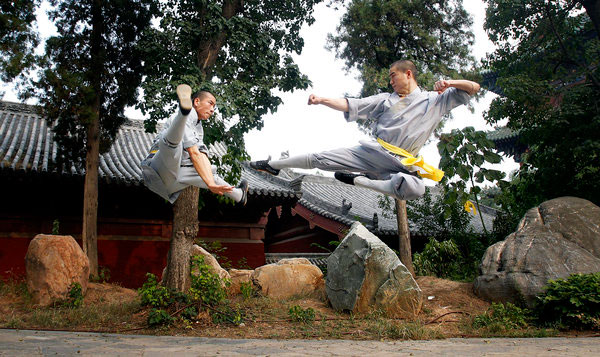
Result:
<point x="470" y="207"/>
<point x="431" y="172"/>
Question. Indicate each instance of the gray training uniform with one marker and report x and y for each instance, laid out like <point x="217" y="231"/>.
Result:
<point x="168" y="169"/>
<point x="404" y="122"/>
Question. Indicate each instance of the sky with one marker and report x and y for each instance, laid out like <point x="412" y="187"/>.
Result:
<point x="299" y="128"/>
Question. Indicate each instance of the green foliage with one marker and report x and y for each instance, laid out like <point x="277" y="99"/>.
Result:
<point x="159" y="317"/>
<point x="90" y="71"/>
<point x="55" y="226"/>
<point x="571" y="303"/>
<point x="441" y="259"/>
<point x="454" y="251"/>
<point x="333" y="244"/>
<point x="206" y="286"/>
<point x="463" y="155"/>
<point x="374" y="34"/>
<point x="153" y="294"/>
<point x="247" y="290"/>
<point x="18" y="38"/>
<point x="546" y="65"/>
<point x="503" y="317"/>
<point x="102" y="277"/>
<point x="227" y="314"/>
<point x="239" y="50"/>
<point x="298" y="314"/>
<point x="75" y="296"/>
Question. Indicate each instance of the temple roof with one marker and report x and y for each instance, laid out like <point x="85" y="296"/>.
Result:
<point x="27" y="146"/>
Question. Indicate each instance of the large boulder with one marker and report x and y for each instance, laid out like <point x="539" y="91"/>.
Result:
<point x="238" y="277"/>
<point x="364" y="274"/>
<point x="52" y="264"/>
<point x="288" y="277"/>
<point x="559" y="238"/>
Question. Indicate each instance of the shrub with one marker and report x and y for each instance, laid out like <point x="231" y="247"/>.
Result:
<point x="502" y="317"/>
<point x="75" y="296"/>
<point x="158" y="317"/>
<point x="153" y="294"/>
<point x="571" y="303"/>
<point x="438" y="258"/>
<point x="299" y="314"/>
<point x="247" y="290"/>
<point x="206" y="286"/>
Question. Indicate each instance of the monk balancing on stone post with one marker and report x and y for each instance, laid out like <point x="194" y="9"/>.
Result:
<point x="402" y="122"/>
<point x="178" y="157"/>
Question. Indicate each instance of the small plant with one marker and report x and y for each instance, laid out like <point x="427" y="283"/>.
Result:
<point x="227" y="314"/>
<point x="247" y="290"/>
<point x="102" y="277"/>
<point x="75" y="296"/>
<point x="159" y="317"/>
<point x="503" y="317"/>
<point x="299" y="314"/>
<point x="571" y="303"/>
<point x="334" y="244"/>
<point x="205" y="286"/>
<point x="55" y="226"/>
<point x="153" y="294"/>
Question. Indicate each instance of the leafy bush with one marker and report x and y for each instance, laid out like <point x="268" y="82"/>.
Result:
<point x="159" y="317"/>
<point x="502" y="317"/>
<point x="571" y="303"/>
<point x="247" y="290"/>
<point x="452" y="245"/>
<point x="153" y="294"/>
<point x="438" y="258"/>
<point x="206" y="286"/>
<point x="75" y="296"/>
<point x="299" y="314"/>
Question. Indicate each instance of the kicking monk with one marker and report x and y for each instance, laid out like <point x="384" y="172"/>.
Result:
<point x="178" y="157"/>
<point x="402" y="122"/>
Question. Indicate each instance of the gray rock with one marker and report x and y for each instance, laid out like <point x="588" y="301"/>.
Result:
<point x="559" y="238"/>
<point x="364" y="274"/>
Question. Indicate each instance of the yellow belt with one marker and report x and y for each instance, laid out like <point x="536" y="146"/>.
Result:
<point x="470" y="207"/>
<point x="431" y="172"/>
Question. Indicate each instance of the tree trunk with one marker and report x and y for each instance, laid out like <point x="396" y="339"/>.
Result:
<point x="185" y="229"/>
<point x="90" y="197"/>
<point x="185" y="210"/>
<point x="89" y="234"/>
<point x="404" y="236"/>
<point x="592" y="8"/>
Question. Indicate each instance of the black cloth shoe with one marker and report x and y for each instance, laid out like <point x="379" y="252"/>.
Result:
<point x="263" y="165"/>
<point x="244" y="187"/>
<point x="184" y="96"/>
<point x="346" y="177"/>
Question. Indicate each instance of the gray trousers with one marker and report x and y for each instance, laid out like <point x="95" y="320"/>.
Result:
<point x="384" y="171"/>
<point x="166" y="164"/>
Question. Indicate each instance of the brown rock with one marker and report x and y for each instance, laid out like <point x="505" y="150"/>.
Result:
<point x="287" y="278"/>
<point x="239" y="276"/>
<point x="52" y="264"/>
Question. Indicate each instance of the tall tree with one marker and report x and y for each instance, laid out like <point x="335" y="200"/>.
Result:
<point x="89" y="73"/>
<point x="18" y="37"/>
<point x="547" y="66"/>
<point x="240" y="51"/>
<point x="373" y="34"/>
